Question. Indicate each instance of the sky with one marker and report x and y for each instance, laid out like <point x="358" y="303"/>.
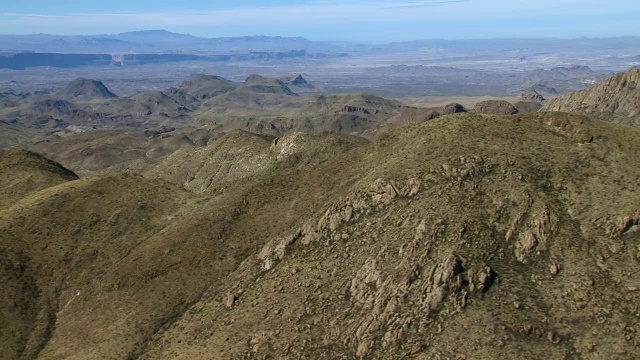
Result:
<point x="371" y="21"/>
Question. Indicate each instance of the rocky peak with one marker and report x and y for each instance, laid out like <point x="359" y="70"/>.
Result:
<point x="532" y="96"/>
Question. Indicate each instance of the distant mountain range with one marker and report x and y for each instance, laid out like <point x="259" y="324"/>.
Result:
<point x="155" y="41"/>
<point x="162" y="41"/>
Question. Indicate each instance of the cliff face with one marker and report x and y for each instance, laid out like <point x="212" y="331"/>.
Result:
<point x="617" y="99"/>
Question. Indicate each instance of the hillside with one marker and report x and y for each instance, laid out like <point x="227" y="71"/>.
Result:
<point x="99" y="151"/>
<point x="25" y="172"/>
<point x="617" y="99"/>
<point x="12" y="135"/>
<point x="468" y="236"/>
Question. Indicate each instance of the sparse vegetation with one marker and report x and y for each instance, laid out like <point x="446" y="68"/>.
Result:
<point x="469" y="235"/>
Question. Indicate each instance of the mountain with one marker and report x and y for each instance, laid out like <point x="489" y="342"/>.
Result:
<point x="616" y="98"/>
<point x="298" y="82"/>
<point x="261" y="84"/>
<point x="157" y="41"/>
<point x="85" y="89"/>
<point x="204" y="87"/>
<point x="152" y="36"/>
<point x="468" y="236"/>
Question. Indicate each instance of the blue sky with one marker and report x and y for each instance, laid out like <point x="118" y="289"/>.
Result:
<point x="362" y="20"/>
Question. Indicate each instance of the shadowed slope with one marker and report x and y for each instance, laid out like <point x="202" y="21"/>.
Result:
<point x="25" y="172"/>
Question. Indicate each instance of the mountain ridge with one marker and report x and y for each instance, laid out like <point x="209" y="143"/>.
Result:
<point x="616" y="98"/>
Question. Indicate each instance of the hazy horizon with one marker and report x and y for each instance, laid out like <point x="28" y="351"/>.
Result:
<point x="371" y="21"/>
<point x="354" y="41"/>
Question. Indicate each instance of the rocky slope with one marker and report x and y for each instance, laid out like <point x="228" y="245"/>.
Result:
<point x="617" y="98"/>
<point x="468" y="236"/>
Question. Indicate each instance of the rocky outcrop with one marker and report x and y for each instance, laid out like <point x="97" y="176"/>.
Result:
<point x="495" y="107"/>
<point x="350" y="109"/>
<point x="532" y="96"/>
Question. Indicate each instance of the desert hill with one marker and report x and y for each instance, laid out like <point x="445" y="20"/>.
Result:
<point x="85" y="89"/>
<point x="617" y="98"/>
<point x="542" y="89"/>
<point x="413" y="116"/>
<point x="180" y="97"/>
<point x="299" y="85"/>
<point x="203" y="87"/>
<point x="261" y="84"/>
<point x="469" y="235"/>
<point x="298" y="81"/>
<point x="350" y="113"/>
<point x="495" y="107"/>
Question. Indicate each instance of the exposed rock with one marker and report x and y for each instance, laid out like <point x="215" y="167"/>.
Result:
<point x="349" y="109"/>
<point x="536" y="233"/>
<point x="532" y="96"/>
<point x="231" y="300"/>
